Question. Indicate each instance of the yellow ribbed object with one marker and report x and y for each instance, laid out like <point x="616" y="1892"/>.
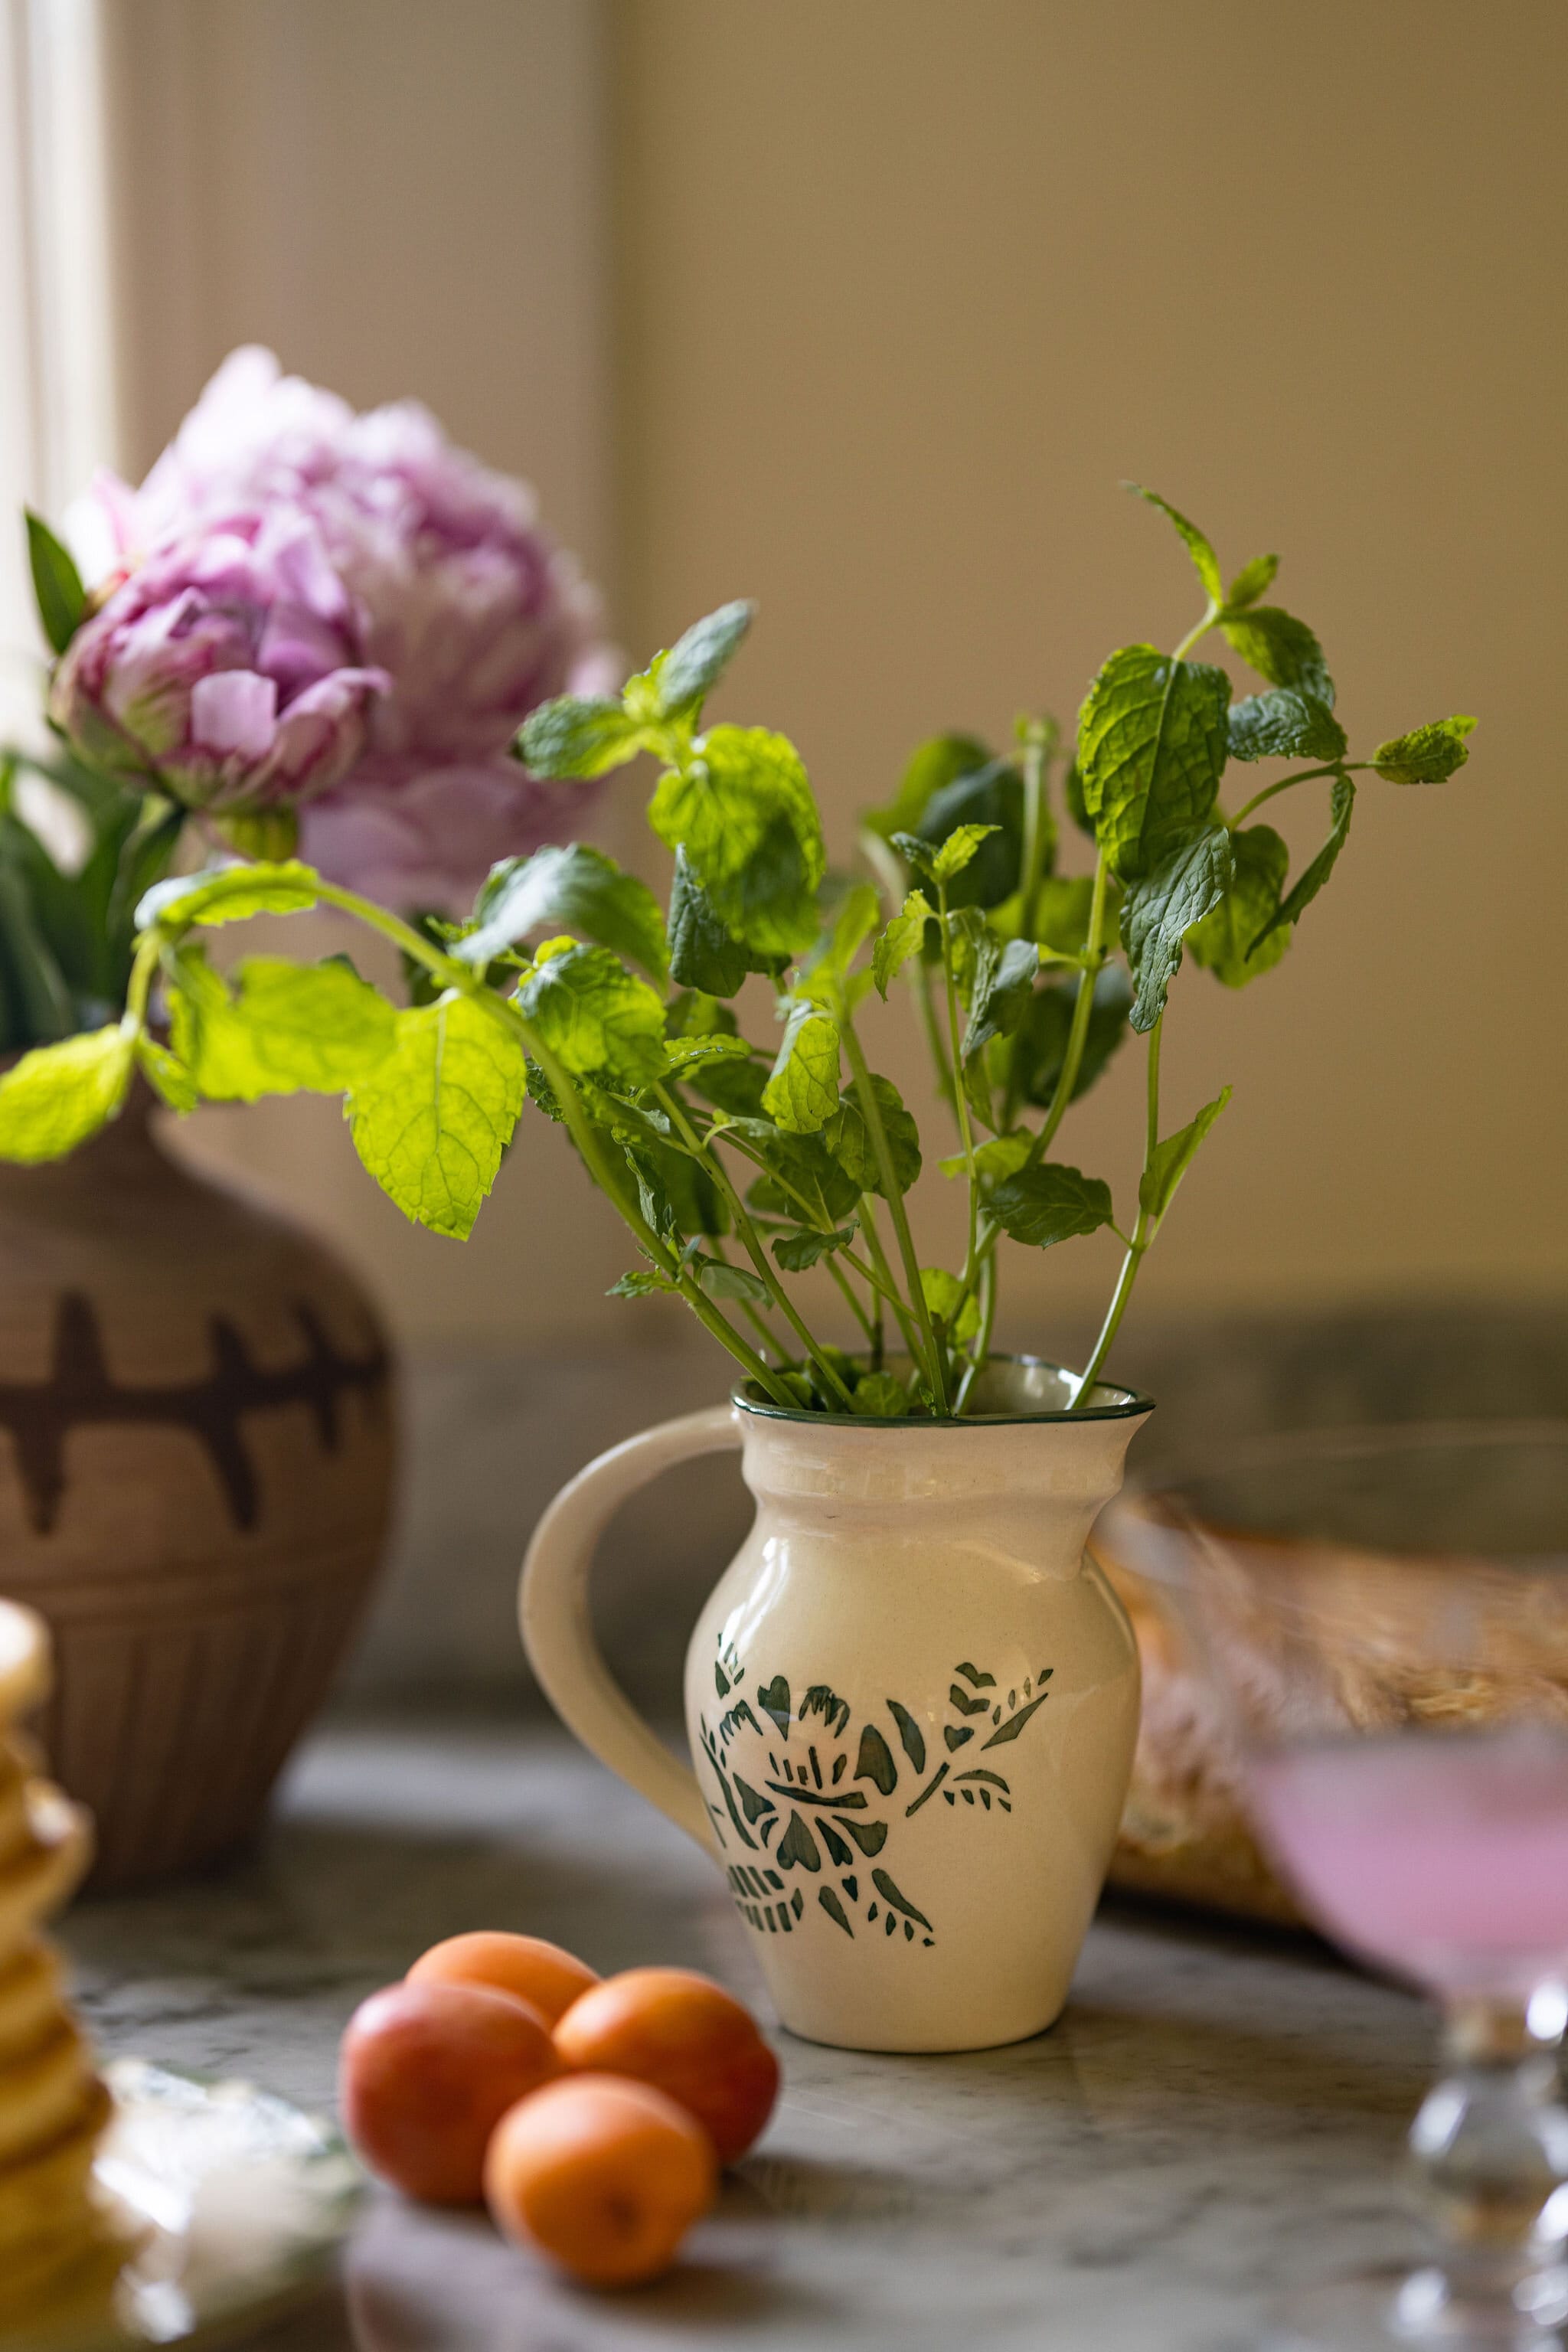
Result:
<point x="52" y="2104"/>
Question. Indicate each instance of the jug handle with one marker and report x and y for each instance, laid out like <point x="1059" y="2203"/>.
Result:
<point x="557" y="1623"/>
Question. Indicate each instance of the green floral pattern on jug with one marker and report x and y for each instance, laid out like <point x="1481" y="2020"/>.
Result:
<point x="802" y="1811"/>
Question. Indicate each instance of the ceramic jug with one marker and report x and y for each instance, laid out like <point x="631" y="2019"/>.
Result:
<point x="911" y="1699"/>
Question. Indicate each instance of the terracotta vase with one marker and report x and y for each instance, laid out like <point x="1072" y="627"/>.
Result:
<point x="910" y="1700"/>
<point x="196" y="1453"/>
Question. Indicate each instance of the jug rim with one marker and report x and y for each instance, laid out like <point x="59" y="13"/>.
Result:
<point x="1113" y="1403"/>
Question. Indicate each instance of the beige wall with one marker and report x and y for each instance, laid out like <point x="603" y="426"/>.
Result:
<point x="903" y="290"/>
<point x="909" y="287"/>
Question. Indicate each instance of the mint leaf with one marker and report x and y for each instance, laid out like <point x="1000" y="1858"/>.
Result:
<point x="56" y="582"/>
<point x="676" y="1197"/>
<point x="1162" y="907"/>
<point x="643" y="1282"/>
<point x="230" y="894"/>
<point x="1205" y="563"/>
<point x="803" y="1181"/>
<point x="934" y="766"/>
<point x="1171" y="1160"/>
<point x="802" y="1093"/>
<point x="1251" y="582"/>
<point x="1151" y="746"/>
<point x="431" y="1121"/>
<point x="575" y="736"/>
<point x="58" y="1095"/>
<point x="1284" y="725"/>
<point x="1341" y="805"/>
<point x="169" y="1078"/>
<point x="287" y="1026"/>
<point x="595" y="1017"/>
<point x="942" y="1292"/>
<point x="742" y="811"/>
<point x="702" y="955"/>
<point x="689" y="1053"/>
<point x="694" y="664"/>
<point x="570" y="888"/>
<point x="999" y="995"/>
<point x="878" y="1396"/>
<point x="1004" y="1155"/>
<point x="1281" y="649"/>
<point x="990" y="797"/>
<point x="1042" y="1039"/>
<point x="1222" y="942"/>
<point x="900" y="940"/>
<point x="852" y="924"/>
<point x="721" y="1281"/>
<point x="1428" y="755"/>
<point x="1042" y="1206"/>
<point x="949" y="861"/>
<point x="796" y="1251"/>
<point x="850" y="1141"/>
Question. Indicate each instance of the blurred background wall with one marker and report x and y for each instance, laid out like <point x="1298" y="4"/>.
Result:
<point x="864" y="311"/>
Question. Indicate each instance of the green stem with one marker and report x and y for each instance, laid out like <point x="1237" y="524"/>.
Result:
<point x="750" y="1241"/>
<point x="1202" y="630"/>
<point x="980" y="1355"/>
<point x="1143" y="1233"/>
<point x="871" y="1112"/>
<point x="960" y="1104"/>
<point x="1037" y="749"/>
<point x="880" y="1273"/>
<point x="1303" y="776"/>
<point x="1083" y="1005"/>
<point x="921" y="975"/>
<point x="847" y="1286"/>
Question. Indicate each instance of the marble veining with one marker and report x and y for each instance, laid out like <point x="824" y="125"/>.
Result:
<point x="1217" y="2116"/>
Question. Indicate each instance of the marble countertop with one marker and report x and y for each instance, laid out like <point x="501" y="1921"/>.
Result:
<point x="1217" y="2117"/>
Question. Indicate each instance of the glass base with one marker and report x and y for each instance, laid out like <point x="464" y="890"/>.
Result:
<point x="1422" y="2311"/>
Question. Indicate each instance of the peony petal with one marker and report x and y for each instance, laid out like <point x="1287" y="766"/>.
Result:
<point x="235" y="710"/>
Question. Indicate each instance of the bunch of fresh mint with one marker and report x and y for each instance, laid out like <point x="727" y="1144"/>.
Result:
<point x="737" y="1166"/>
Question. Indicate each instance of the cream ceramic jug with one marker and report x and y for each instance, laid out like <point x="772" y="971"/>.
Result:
<point x="911" y="1700"/>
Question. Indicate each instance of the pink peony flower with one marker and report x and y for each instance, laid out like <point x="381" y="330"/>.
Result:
<point x="472" y="612"/>
<point x="229" y="665"/>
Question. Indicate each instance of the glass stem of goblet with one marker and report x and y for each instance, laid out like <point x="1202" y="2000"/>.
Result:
<point x="1490" y="2148"/>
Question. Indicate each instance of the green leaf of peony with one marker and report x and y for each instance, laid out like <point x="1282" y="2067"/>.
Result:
<point x="1251" y="582"/>
<point x="934" y="766"/>
<point x="1151" y="744"/>
<point x="576" y="736"/>
<point x="850" y="1141"/>
<point x="597" y="1018"/>
<point x="1284" y="725"/>
<point x="900" y="940"/>
<point x="1048" y="1204"/>
<point x="431" y="1121"/>
<point x="1004" y="974"/>
<point x="1222" y="942"/>
<point x="796" y="1251"/>
<point x="1341" y="805"/>
<point x="1162" y="907"/>
<point x="56" y="582"/>
<point x="285" y="1027"/>
<point x="803" y="1092"/>
<point x="742" y="811"/>
<point x="230" y="894"/>
<point x="569" y="888"/>
<point x="1042" y="1038"/>
<point x="1281" y="649"/>
<point x="942" y="1292"/>
<point x="1205" y="563"/>
<point x="58" y="1095"/>
<point x="878" y="1396"/>
<point x="1171" y="1160"/>
<point x="1428" y="755"/>
<point x="695" y="663"/>
<point x="643" y="1282"/>
<point x="1002" y="1156"/>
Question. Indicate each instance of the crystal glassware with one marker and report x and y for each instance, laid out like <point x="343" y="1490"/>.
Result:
<point x="1382" y="1617"/>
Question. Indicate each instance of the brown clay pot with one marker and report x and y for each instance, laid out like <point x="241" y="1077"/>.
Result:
<point x="196" y="1453"/>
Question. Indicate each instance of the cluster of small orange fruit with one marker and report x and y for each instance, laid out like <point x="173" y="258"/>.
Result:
<point x="590" y="2115"/>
